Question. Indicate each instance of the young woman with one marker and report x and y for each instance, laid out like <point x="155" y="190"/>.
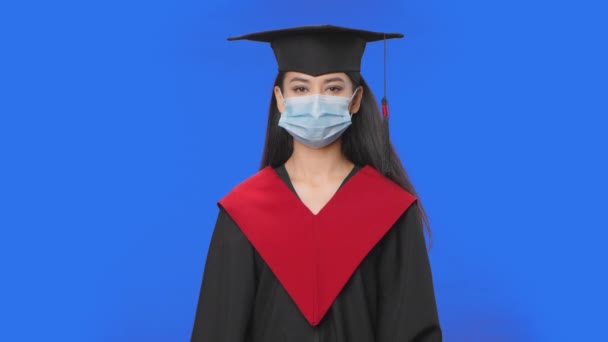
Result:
<point x="325" y="242"/>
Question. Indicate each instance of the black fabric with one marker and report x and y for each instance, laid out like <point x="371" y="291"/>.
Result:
<point x="389" y="297"/>
<point x="317" y="50"/>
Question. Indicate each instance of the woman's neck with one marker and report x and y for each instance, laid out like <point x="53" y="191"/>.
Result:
<point x="317" y="164"/>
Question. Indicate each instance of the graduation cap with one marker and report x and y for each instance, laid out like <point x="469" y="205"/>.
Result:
<point x="322" y="49"/>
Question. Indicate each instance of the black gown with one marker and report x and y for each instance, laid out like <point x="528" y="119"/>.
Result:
<point x="389" y="297"/>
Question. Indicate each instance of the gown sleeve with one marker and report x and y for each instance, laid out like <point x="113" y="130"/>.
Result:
<point x="406" y="300"/>
<point x="228" y="286"/>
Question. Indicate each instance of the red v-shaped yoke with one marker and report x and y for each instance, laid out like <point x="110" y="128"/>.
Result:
<point x="313" y="256"/>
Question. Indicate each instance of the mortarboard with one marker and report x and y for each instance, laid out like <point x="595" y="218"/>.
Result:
<point x="322" y="49"/>
<point x="317" y="50"/>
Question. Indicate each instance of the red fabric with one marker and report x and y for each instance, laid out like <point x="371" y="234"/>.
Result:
<point x="313" y="256"/>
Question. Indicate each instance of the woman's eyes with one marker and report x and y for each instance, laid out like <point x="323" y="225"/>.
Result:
<point x="304" y="89"/>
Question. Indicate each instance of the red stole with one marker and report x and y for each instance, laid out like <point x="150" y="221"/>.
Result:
<point x="313" y="256"/>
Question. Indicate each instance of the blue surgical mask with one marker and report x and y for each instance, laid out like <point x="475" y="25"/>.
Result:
<point x="316" y="120"/>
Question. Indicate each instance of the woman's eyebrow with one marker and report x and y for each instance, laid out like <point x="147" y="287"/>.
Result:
<point x="299" y="79"/>
<point x="334" y="79"/>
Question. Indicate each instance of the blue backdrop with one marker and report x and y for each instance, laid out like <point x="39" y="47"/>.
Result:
<point x="123" y="122"/>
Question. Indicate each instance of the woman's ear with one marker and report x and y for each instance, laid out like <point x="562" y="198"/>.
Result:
<point x="356" y="102"/>
<point x="279" y="97"/>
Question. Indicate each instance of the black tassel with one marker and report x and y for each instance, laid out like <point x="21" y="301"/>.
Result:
<point x="386" y="160"/>
<point x="386" y="163"/>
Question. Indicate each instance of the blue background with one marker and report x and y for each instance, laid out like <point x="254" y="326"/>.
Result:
<point x="123" y="122"/>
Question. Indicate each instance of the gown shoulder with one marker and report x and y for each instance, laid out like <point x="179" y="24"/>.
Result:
<point x="228" y="286"/>
<point x="407" y="309"/>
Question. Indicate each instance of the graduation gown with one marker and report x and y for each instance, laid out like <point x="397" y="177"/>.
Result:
<point x="357" y="271"/>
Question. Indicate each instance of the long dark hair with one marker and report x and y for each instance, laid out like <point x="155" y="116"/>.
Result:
<point x="363" y="143"/>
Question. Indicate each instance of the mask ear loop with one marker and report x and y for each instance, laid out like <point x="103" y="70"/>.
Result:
<point x="351" y="100"/>
<point x="282" y="97"/>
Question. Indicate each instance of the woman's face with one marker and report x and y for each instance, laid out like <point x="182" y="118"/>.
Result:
<point x="334" y="84"/>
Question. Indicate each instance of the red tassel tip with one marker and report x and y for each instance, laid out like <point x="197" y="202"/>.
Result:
<point x="384" y="108"/>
